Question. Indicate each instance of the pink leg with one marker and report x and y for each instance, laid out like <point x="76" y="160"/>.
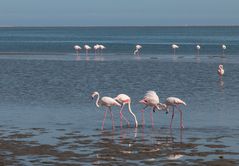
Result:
<point x="142" y="117"/>
<point x="172" y="118"/>
<point x="181" y="119"/>
<point x="103" y="122"/>
<point x="122" y="116"/>
<point x="152" y="119"/>
<point x="126" y="120"/>
<point x="112" y="118"/>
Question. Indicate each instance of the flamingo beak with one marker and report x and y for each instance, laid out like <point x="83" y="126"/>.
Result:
<point x="142" y="101"/>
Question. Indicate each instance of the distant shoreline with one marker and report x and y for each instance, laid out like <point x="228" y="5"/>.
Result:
<point x="123" y="26"/>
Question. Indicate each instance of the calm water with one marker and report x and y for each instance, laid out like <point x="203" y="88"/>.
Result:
<point x="45" y="94"/>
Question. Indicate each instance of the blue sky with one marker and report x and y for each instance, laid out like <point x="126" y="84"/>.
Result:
<point x="118" y="12"/>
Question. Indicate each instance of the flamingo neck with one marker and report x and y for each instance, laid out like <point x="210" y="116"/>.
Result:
<point x="97" y="101"/>
<point x="135" y="119"/>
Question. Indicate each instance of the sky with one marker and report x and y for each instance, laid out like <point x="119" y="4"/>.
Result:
<point x="118" y="12"/>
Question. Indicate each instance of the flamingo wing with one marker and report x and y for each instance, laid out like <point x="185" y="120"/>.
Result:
<point x="108" y="101"/>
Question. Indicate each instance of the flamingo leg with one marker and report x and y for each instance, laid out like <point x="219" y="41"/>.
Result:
<point x="103" y="122"/>
<point x="172" y="118"/>
<point x="142" y="111"/>
<point x="152" y="119"/>
<point x="181" y="119"/>
<point x="112" y="118"/>
<point x="122" y="116"/>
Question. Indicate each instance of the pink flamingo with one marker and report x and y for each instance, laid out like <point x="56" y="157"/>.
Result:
<point x="137" y="49"/>
<point x="198" y="47"/>
<point x="87" y="48"/>
<point x="220" y="71"/>
<point x="150" y="99"/>
<point x="174" y="47"/>
<point x="101" y="47"/>
<point x="96" y="48"/>
<point x="174" y="102"/>
<point x="224" y="47"/>
<point x="77" y="48"/>
<point x="125" y="99"/>
<point x="107" y="102"/>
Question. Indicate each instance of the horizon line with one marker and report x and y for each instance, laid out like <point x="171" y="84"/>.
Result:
<point x="113" y="26"/>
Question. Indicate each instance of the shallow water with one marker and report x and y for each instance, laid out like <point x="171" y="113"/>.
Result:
<point x="47" y="115"/>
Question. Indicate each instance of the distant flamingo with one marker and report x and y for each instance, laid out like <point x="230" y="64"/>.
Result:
<point x="77" y="48"/>
<point x="87" y="48"/>
<point x="224" y="47"/>
<point x="96" y="48"/>
<point x="174" y="47"/>
<point x="137" y="49"/>
<point x="174" y="102"/>
<point x="101" y="47"/>
<point x="125" y="99"/>
<point x="107" y="102"/>
<point x="150" y="99"/>
<point x="198" y="48"/>
<point x="220" y="70"/>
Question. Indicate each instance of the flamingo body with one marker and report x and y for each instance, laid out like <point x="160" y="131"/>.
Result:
<point x="125" y="99"/>
<point x="87" y="47"/>
<point x="137" y="49"/>
<point x="220" y="70"/>
<point x="102" y="47"/>
<point x="198" y="47"/>
<point x="150" y="99"/>
<point x="138" y="46"/>
<point x="108" y="102"/>
<point x="224" y="47"/>
<point x="96" y="47"/>
<point x="174" y="46"/>
<point x="76" y="47"/>
<point x="174" y="102"/>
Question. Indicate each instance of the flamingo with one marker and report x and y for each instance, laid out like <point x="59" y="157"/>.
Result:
<point x="137" y="49"/>
<point x="150" y="99"/>
<point x="96" y="48"/>
<point x="174" y="102"/>
<point x="125" y="99"/>
<point x="220" y="70"/>
<point x="87" y="48"/>
<point x="224" y="47"/>
<point x="102" y="47"/>
<point x="198" y="48"/>
<point x="77" y="48"/>
<point x="174" y="47"/>
<point x="107" y="102"/>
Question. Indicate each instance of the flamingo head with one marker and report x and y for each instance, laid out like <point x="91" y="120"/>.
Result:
<point x="143" y="101"/>
<point x="163" y="107"/>
<point x="220" y="66"/>
<point x="94" y="94"/>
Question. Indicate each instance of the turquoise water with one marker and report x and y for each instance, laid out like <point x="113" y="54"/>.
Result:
<point x="45" y="92"/>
